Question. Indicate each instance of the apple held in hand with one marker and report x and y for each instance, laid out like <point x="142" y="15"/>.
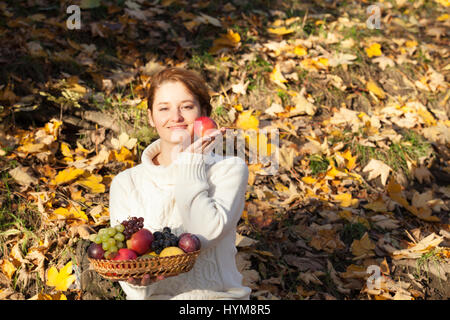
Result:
<point x="125" y="254"/>
<point x="189" y="242"/>
<point x="202" y="125"/>
<point x="140" y="241"/>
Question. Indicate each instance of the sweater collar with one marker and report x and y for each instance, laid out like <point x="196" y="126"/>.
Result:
<point x="163" y="174"/>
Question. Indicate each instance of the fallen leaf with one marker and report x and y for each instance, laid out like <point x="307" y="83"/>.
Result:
<point x="62" y="279"/>
<point x="377" y="168"/>
<point x="374" y="50"/>
<point x="364" y="246"/>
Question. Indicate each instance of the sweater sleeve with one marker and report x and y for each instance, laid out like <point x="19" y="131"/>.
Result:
<point x="210" y="211"/>
<point x="119" y="210"/>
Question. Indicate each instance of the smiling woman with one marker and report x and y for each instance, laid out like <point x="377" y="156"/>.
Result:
<point x="175" y="187"/>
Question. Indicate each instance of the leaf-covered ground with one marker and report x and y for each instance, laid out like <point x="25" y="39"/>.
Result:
<point x="358" y="207"/>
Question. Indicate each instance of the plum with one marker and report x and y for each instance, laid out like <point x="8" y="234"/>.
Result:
<point x="189" y="242"/>
<point x="95" y="251"/>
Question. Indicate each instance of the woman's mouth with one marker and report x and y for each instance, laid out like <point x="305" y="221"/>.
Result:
<point x="183" y="127"/>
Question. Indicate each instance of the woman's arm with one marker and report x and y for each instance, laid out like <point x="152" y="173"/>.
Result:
<point x="210" y="211"/>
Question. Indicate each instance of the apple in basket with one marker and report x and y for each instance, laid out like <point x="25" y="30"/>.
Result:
<point x="125" y="254"/>
<point x="141" y="241"/>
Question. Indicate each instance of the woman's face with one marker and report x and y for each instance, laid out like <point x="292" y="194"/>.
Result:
<point x="173" y="112"/>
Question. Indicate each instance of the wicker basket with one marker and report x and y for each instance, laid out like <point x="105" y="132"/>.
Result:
<point x="124" y="269"/>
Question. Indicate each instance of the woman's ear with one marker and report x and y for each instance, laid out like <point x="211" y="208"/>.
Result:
<point x="150" y="118"/>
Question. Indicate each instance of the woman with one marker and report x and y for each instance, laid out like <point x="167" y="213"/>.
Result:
<point x="174" y="186"/>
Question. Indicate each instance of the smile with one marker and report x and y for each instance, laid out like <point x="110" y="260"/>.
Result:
<point x="178" y="127"/>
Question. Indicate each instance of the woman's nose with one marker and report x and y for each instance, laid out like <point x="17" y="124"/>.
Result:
<point x="177" y="116"/>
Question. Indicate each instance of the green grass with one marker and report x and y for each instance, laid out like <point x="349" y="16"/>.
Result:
<point x="411" y="147"/>
<point x="318" y="164"/>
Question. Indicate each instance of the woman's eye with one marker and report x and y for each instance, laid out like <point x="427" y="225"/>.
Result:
<point x="188" y="107"/>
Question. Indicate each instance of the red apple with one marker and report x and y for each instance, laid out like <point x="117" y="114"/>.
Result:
<point x="125" y="254"/>
<point x="140" y="241"/>
<point x="202" y="125"/>
<point x="189" y="242"/>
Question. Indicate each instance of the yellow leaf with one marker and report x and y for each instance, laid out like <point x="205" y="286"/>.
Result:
<point x="8" y="268"/>
<point x="365" y="246"/>
<point x="277" y="77"/>
<point x="31" y="147"/>
<point x="93" y="183"/>
<point x="300" y="51"/>
<point x="372" y="87"/>
<point x="445" y="3"/>
<point x="67" y="175"/>
<point x="411" y="43"/>
<point x="443" y="17"/>
<point x="378" y="205"/>
<point x="247" y="121"/>
<point x="280" y="31"/>
<point x="374" y="50"/>
<point x="65" y="150"/>
<point x="60" y="280"/>
<point x="46" y="296"/>
<point x="142" y="105"/>
<point x="345" y="200"/>
<point x="309" y="180"/>
<point x="281" y="187"/>
<point x="230" y="39"/>
<point x="238" y="107"/>
<point x="351" y="161"/>
<point x="71" y="212"/>
<point x="124" y="155"/>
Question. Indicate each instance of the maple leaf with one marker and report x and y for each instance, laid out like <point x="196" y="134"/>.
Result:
<point x="374" y="50"/>
<point x="384" y="62"/>
<point x="93" y="183"/>
<point x="364" y="246"/>
<point x="377" y="168"/>
<point x="62" y="279"/>
<point x="277" y="77"/>
<point x="67" y="175"/>
<point x="376" y="90"/>
<point x="247" y="121"/>
<point x="226" y="41"/>
<point x="345" y="200"/>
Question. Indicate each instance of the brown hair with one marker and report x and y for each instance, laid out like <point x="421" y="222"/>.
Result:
<point x="193" y="82"/>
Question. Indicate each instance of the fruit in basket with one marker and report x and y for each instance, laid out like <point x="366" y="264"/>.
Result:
<point x="140" y="241"/>
<point x="171" y="251"/>
<point x="131" y="226"/>
<point x="202" y="125"/>
<point x="95" y="251"/>
<point x="125" y="254"/>
<point x="164" y="239"/>
<point x="189" y="242"/>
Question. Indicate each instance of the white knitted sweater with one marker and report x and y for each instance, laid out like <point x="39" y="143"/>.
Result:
<point x="203" y="196"/>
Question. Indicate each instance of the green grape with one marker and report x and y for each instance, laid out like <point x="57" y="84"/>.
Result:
<point x="119" y="237"/>
<point x="104" y="237"/>
<point x="98" y="239"/>
<point x="111" y="232"/>
<point x="111" y="242"/>
<point x="119" y="228"/>
<point x="105" y="246"/>
<point x="120" y="245"/>
<point x="113" y="249"/>
<point x="92" y="237"/>
<point x="101" y="231"/>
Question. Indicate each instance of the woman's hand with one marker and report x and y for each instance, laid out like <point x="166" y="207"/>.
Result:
<point x="145" y="280"/>
<point x="206" y="143"/>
